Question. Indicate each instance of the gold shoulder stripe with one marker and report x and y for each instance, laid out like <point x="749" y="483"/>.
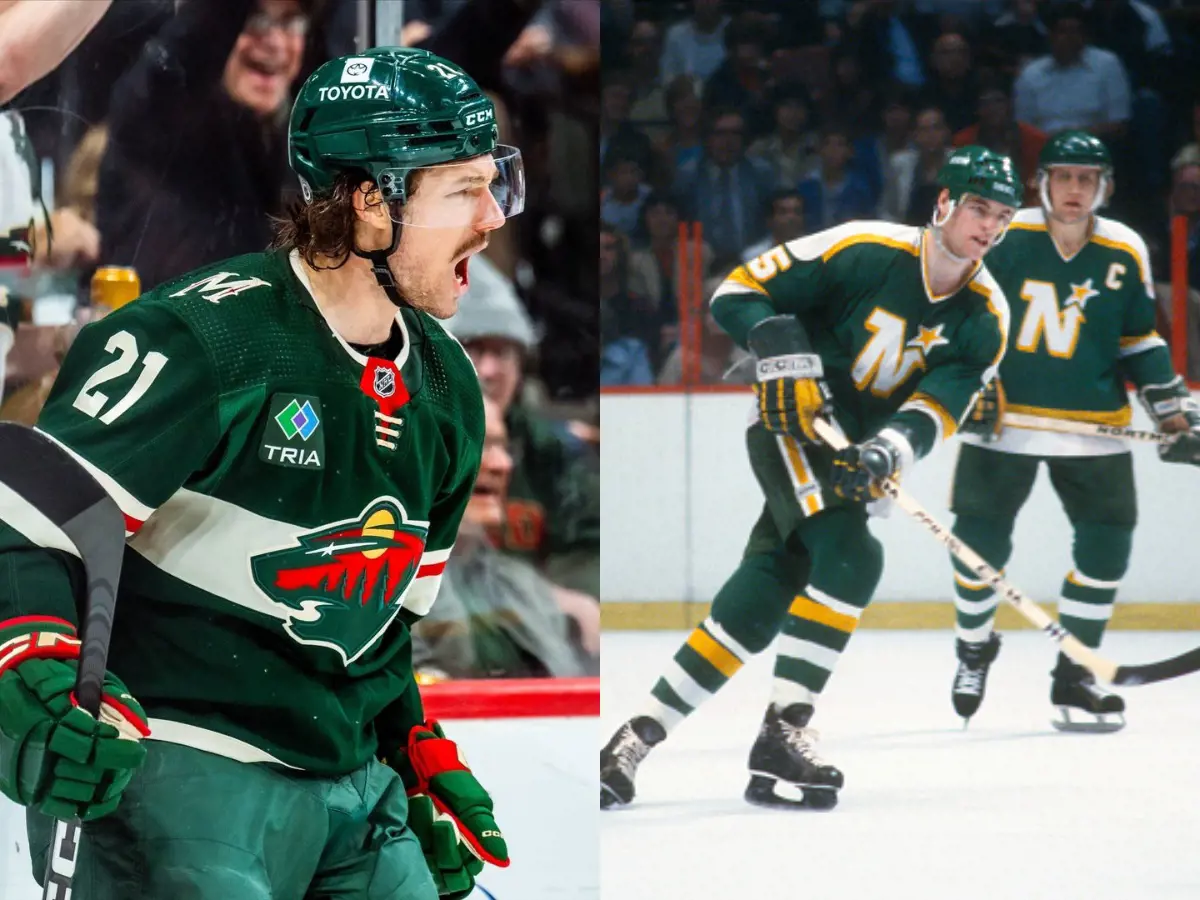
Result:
<point x="995" y="311"/>
<point x="1027" y="226"/>
<point x="1129" y="341"/>
<point x="868" y="239"/>
<point x="931" y="404"/>
<point x="1128" y="248"/>
<point x="742" y="278"/>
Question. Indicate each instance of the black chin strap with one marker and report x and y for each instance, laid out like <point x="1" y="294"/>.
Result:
<point x="379" y="265"/>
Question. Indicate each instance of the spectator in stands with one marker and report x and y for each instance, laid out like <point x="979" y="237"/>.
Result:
<point x="786" y="222"/>
<point x="552" y="507"/>
<point x="884" y="41"/>
<point x="622" y="198"/>
<point x="724" y="191"/>
<point x="1018" y="36"/>
<point x="897" y="133"/>
<point x="619" y="136"/>
<point x="624" y="359"/>
<point x="790" y="150"/>
<point x="1184" y="200"/>
<point x="997" y="130"/>
<point x="496" y="615"/>
<point x="695" y="46"/>
<point x="196" y="160"/>
<point x="743" y="80"/>
<point x="718" y="355"/>
<point x="910" y="188"/>
<point x="654" y="270"/>
<point x="954" y="85"/>
<point x="684" y="141"/>
<point x="834" y="194"/>
<point x="1076" y="85"/>
<point x="624" y="311"/>
<point x="648" y="110"/>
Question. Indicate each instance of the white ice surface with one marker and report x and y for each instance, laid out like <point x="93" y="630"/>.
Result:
<point x="1009" y="809"/>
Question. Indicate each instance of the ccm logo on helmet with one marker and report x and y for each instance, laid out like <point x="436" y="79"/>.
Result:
<point x="355" y="92"/>
<point x="476" y="118"/>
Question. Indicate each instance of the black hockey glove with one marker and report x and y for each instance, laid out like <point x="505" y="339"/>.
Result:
<point x="1174" y="412"/>
<point x="858" y="469"/>
<point x="986" y="417"/>
<point x="790" y="380"/>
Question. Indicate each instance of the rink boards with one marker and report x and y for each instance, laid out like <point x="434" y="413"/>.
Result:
<point x="539" y="768"/>
<point x="679" y="499"/>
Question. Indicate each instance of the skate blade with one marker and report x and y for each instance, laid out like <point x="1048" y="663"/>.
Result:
<point x="610" y="798"/>
<point x="764" y="791"/>
<point x="1101" y="724"/>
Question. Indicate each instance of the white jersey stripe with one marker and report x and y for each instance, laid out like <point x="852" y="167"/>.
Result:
<point x="210" y="742"/>
<point x="1082" y="580"/>
<point x="840" y="607"/>
<point x="32" y="522"/>
<point x="1093" y="612"/>
<point x="129" y="504"/>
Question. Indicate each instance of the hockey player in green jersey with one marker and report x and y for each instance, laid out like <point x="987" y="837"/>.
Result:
<point x="889" y="331"/>
<point x="292" y="438"/>
<point x="1083" y="306"/>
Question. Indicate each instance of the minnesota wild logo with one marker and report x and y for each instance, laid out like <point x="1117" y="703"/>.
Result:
<point x="343" y="583"/>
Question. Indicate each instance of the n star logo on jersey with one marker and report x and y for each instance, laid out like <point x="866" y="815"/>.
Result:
<point x="343" y="584"/>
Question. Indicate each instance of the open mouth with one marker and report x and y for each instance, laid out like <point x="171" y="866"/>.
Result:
<point x="461" y="274"/>
<point x="261" y="68"/>
<point x="486" y="491"/>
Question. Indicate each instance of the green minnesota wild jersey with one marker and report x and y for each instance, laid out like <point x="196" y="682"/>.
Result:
<point x="290" y="506"/>
<point x="889" y="346"/>
<point x="1080" y="326"/>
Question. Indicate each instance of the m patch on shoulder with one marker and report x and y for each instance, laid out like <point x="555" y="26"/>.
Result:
<point x="294" y="435"/>
<point x="216" y="288"/>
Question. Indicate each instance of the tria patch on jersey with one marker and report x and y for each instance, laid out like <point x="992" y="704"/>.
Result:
<point x="294" y="435"/>
<point x="343" y="584"/>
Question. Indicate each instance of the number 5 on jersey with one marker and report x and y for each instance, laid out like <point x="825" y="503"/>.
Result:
<point x="91" y="401"/>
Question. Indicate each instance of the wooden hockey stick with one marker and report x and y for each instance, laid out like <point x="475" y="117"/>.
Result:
<point x="1104" y="669"/>
<point x="1093" y="429"/>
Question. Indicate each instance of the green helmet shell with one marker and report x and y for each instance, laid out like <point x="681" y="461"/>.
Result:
<point x="982" y="172"/>
<point x="385" y="112"/>
<point x="1075" y="148"/>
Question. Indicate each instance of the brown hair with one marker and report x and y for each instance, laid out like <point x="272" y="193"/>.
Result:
<point x="323" y="227"/>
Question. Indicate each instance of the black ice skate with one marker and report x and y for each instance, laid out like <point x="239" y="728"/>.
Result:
<point x="784" y="754"/>
<point x="621" y="756"/>
<point x="970" y="681"/>
<point x="1082" y="704"/>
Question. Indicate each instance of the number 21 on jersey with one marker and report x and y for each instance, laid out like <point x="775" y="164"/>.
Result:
<point x="91" y="401"/>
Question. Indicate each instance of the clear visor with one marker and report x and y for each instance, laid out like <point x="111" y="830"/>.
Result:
<point x="481" y="191"/>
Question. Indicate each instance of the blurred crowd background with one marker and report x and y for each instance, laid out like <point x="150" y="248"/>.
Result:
<point x="160" y="145"/>
<point x="765" y="120"/>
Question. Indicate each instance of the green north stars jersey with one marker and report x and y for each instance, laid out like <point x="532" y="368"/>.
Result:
<point x="1079" y="327"/>
<point x="890" y="349"/>
<point x="290" y="505"/>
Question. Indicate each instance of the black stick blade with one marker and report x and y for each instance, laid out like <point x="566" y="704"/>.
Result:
<point x="1184" y="664"/>
<point x="48" y="478"/>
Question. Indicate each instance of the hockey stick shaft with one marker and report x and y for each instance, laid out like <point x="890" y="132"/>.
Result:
<point x="49" y="479"/>
<point x="1103" y="668"/>
<point x="1091" y="429"/>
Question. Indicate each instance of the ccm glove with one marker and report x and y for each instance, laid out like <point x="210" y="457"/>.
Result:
<point x="790" y="381"/>
<point x="54" y="756"/>
<point x="1174" y="412"/>
<point x="449" y="811"/>
<point x="987" y="414"/>
<point x="858" y="469"/>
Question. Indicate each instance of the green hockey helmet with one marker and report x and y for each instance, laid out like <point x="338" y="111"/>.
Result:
<point x="391" y="112"/>
<point x="1074" y="148"/>
<point x="982" y="172"/>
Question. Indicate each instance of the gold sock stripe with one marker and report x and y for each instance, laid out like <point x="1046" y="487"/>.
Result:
<point x="712" y="650"/>
<point x="804" y="608"/>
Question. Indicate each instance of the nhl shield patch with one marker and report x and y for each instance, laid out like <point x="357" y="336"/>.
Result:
<point x="294" y="435"/>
